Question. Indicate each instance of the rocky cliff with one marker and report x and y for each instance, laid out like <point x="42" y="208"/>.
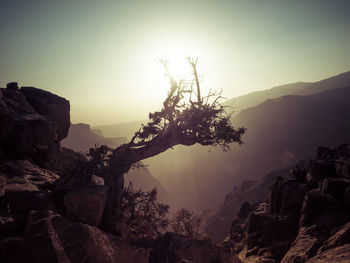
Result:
<point x="306" y="217"/>
<point x="33" y="122"/>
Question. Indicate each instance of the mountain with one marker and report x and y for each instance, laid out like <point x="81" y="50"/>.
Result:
<point x="123" y="129"/>
<point x="81" y="138"/>
<point x="300" y="88"/>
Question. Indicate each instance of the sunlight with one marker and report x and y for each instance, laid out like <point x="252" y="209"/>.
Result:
<point x="178" y="66"/>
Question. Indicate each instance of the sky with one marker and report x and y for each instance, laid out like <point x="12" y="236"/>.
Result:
<point x="103" y="56"/>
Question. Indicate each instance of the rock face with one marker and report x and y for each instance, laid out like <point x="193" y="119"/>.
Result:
<point x="33" y="122"/>
<point x="174" y="248"/>
<point x="86" y="204"/>
<point x="306" y="217"/>
<point x="52" y="238"/>
<point x="53" y="107"/>
<point x="218" y="221"/>
<point x="22" y="187"/>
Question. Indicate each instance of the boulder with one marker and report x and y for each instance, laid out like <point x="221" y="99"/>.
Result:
<point x="12" y="86"/>
<point x="340" y="238"/>
<point x="343" y="169"/>
<point x="23" y="186"/>
<point x="11" y="225"/>
<point x="56" y="109"/>
<point x="320" y="169"/>
<point x="52" y="238"/>
<point x="335" y="186"/>
<point x="174" y="248"/>
<point x="32" y="122"/>
<point x="314" y="204"/>
<point x="303" y="248"/>
<point x="86" y="204"/>
<point x="339" y="255"/>
<point x="286" y="196"/>
<point x="10" y="249"/>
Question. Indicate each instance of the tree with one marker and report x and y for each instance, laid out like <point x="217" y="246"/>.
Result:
<point x="145" y="217"/>
<point x="181" y="120"/>
<point x="186" y="223"/>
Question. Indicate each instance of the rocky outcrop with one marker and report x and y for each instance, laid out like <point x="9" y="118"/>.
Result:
<point x="306" y="217"/>
<point x="52" y="238"/>
<point x="22" y="187"/>
<point x="218" y="221"/>
<point x="174" y="248"/>
<point x="86" y="204"/>
<point x="53" y="107"/>
<point x="33" y="122"/>
<point x="339" y="254"/>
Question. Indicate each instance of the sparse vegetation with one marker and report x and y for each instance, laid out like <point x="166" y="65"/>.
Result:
<point x="141" y="212"/>
<point x="187" y="223"/>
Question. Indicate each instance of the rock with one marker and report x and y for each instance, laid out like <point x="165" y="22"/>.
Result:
<point x="30" y="134"/>
<point x="320" y="169"/>
<point x="11" y="225"/>
<point x="174" y="248"/>
<point x="251" y="252"/>
<point x="303" y="248"/>
<point x="341" y="152"/>
<point x="86" y="204"/>
<point x="340" y="238"/>
<point x="12" y="86"/>
<point x="32" y="123"/>
<point x="245" y="210"/>
<point x="299" y="174"/>
<point x="56" y="109"/>
<point x="324" y="153"/>
<point x="286" y="196"/>
<point x="52" y="238"/>
<point x="339" y="254"/>
<point x="10" y="249"/>
<point x="335" y="186"/>
<point x="347" y="196"/>
<point x="22" y="187"/>
<point x="314" y="204"/>
<point x="343" y="169"/>
<point x="6" y="119"/>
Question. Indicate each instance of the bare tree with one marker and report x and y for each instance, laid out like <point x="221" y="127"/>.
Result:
<point x="181" y="120"/>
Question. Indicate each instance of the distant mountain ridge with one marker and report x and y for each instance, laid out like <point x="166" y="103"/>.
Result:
<point x="81" y="138"/>
<point x="299" y="88"/>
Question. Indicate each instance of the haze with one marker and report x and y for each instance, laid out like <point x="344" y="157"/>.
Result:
<point x="102" y="55"/>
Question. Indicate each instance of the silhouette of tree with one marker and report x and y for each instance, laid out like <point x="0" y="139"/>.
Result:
<point x="186" y="118"/>
<point x="186" y="223"/>
<point x="145" y="217"/>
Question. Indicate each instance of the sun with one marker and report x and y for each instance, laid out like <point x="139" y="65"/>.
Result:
<point x="178" y="66"/>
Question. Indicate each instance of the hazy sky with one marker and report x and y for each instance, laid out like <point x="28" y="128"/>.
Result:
<point x="102" y="55"/>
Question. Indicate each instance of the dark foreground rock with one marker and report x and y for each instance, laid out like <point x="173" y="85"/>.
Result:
<point x="306" y="217"/>
<point x="52" y="238"/>
<point x="174" y="248"/>
<point x="33" y="122"/>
